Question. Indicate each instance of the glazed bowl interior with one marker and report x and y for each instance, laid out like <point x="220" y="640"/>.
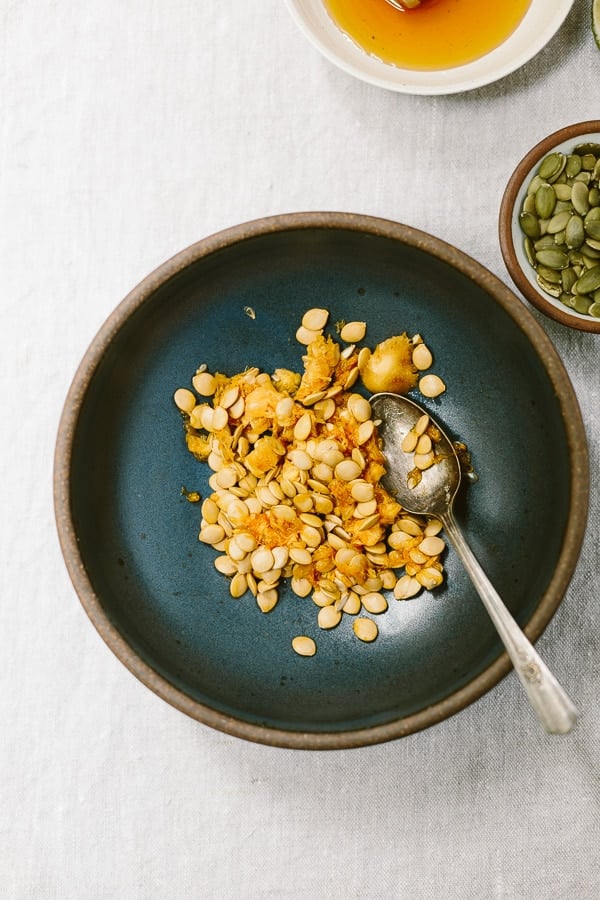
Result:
<point x="130" y="538"/>
<point x="512" y="237"/>
<point x="538" y="26"/>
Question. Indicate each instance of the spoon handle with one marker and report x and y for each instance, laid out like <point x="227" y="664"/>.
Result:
<point x="554" y="709"/>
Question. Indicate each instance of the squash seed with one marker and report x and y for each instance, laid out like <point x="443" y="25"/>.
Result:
<point x="329" y="617"/>
<point x="422" y="357"/>
<point x="304" y="646"/>
<point x="353" y="332"/>
<point x="315" y="319"/>
<point x="407" y="586"/>
<point x="431" y="386"/>
<point x="432" y="545"/>
<point x="365" y="629"/>
<point x="184" y="400"/>
<point x="374" y="602"/>
<point x="291" y="491"/>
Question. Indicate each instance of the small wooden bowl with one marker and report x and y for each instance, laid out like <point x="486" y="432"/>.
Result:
<point x="511" y="236"/>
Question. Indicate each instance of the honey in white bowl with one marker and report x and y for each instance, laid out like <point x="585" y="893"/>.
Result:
<point x="437" y="34"/>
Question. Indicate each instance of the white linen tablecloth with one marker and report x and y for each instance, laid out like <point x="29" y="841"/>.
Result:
<point x="129" y="130"/>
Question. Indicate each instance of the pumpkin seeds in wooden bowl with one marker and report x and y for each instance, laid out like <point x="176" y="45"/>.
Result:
<point x="550" y="226"/>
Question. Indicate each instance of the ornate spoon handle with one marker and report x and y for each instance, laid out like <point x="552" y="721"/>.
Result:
<point x="552" y="705"/>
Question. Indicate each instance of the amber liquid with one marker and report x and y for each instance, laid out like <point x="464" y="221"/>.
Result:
<point x="439" y="34"/>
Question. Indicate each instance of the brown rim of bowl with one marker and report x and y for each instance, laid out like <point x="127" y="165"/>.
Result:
<point x="507" y="206"/>
<point x="576" y="441"/>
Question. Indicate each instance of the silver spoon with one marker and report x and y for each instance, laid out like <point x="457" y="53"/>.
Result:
<point x="434" y="496"/>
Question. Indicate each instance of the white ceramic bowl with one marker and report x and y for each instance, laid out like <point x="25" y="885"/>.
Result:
<point x="541" y="22"/>
<point x="512" y="238"/>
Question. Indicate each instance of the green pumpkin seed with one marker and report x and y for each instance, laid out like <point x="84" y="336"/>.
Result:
<point x="573" y="166"/>
<point x="562" y="191"/>
<point x="558" y="222"/>
<point x="574" y="232"/>
<point x="590" y="255"/>
<point x="529" y="225"/>
<point x="552" y="166"/>
<point x="580" y="198"/>
<point x="582" y="304"/>
<point x="575" y="258"/>
<point x="589" y="281"/>
<point x="588" y="261"/>
<point x="551" y="275"/>
<point x="592" y="228"/>
<point x="594" y="196"/>
<point x="529" y="251"/>
<point x="585" y="177"/>
<point x="588" y="161"/>
<point x="561" y="205"/>
<point x="542" y="243"/>
<point x="594" y="310"/>
<point x="529" y="204"/>
<point x="535" y="183"/>
<point x="568" y="279"/>
<point x="590" y="248"/>
<point x="545" y="200"/>
<point x="555" y="259"/>
<point x="568" y="300"/>
<point x="554" y="290"/>
<point x="587" y="147"/>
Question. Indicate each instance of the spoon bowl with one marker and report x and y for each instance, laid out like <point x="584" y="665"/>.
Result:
<point x="430" y="491"/>
<point x="438" y="484"/>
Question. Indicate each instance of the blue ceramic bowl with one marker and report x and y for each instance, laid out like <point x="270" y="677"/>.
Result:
<point x="129" y="538"/>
